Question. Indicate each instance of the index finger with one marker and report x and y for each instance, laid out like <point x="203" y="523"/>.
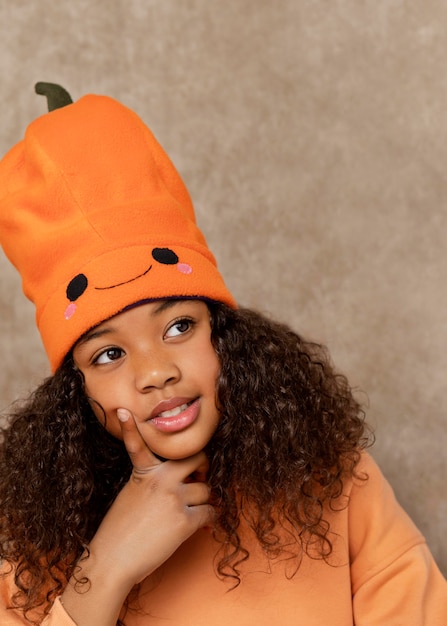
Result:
<point x="143" y="460"/>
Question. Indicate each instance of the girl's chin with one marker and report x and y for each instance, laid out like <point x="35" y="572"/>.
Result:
<point x="175" y="455"/>
<point x="176" y="451"/>
<point x="178" y="446"/>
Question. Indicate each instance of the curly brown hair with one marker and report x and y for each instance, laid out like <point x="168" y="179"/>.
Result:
<point x="290" y="434"/>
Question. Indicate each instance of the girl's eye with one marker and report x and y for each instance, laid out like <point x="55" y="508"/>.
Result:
<point x="179" y="327"/>
<point x="108" y="356"/>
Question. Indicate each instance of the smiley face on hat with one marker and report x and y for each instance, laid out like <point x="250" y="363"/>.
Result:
<point x="78" y="285"/>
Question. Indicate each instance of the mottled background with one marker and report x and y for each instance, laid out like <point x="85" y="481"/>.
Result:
<point x="313" y="138"/>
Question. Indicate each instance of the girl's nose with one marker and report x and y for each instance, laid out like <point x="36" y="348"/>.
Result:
<point x="154" y="370"/>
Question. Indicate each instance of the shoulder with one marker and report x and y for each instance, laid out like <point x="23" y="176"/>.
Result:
<point x="379" y="528"/>
<point x="394" y="577"/>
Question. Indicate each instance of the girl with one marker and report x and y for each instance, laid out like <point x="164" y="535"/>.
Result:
<point x="189" y="462"/>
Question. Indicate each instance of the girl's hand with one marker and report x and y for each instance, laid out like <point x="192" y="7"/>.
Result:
<point x="155" y="512"/>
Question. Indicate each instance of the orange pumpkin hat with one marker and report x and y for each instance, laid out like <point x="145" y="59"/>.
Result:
<point x="96" y="218"/>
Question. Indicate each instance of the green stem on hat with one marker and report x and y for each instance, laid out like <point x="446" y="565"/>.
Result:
<point x="56" y="95"/>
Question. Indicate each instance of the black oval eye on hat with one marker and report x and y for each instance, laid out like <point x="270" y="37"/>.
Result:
<point x="76" y="287"/>
<point x="165" y="256"/>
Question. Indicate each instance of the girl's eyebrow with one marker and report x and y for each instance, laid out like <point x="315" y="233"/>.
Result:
<point x="94" y="334"/>
<point x="164" y="305"/>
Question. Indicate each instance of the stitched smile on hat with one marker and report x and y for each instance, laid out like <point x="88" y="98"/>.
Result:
<point x="79" y="284"/>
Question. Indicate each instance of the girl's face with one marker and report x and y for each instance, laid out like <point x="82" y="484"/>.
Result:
<point x="157" y="361"/>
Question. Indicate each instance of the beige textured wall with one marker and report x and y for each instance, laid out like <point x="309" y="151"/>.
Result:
<point x="313" y="138"/>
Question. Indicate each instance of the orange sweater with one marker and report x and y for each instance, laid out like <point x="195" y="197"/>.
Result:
<point x="381" y="574"/>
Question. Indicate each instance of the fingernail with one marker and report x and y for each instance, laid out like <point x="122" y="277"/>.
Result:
<point x="123" y="415"/>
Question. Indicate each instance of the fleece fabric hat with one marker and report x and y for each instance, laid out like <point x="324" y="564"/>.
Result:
<point x="96" y="218"/>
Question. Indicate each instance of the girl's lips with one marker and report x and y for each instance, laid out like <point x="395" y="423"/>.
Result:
<point x="169" y="405"/>
<point x="175" y="415"/>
